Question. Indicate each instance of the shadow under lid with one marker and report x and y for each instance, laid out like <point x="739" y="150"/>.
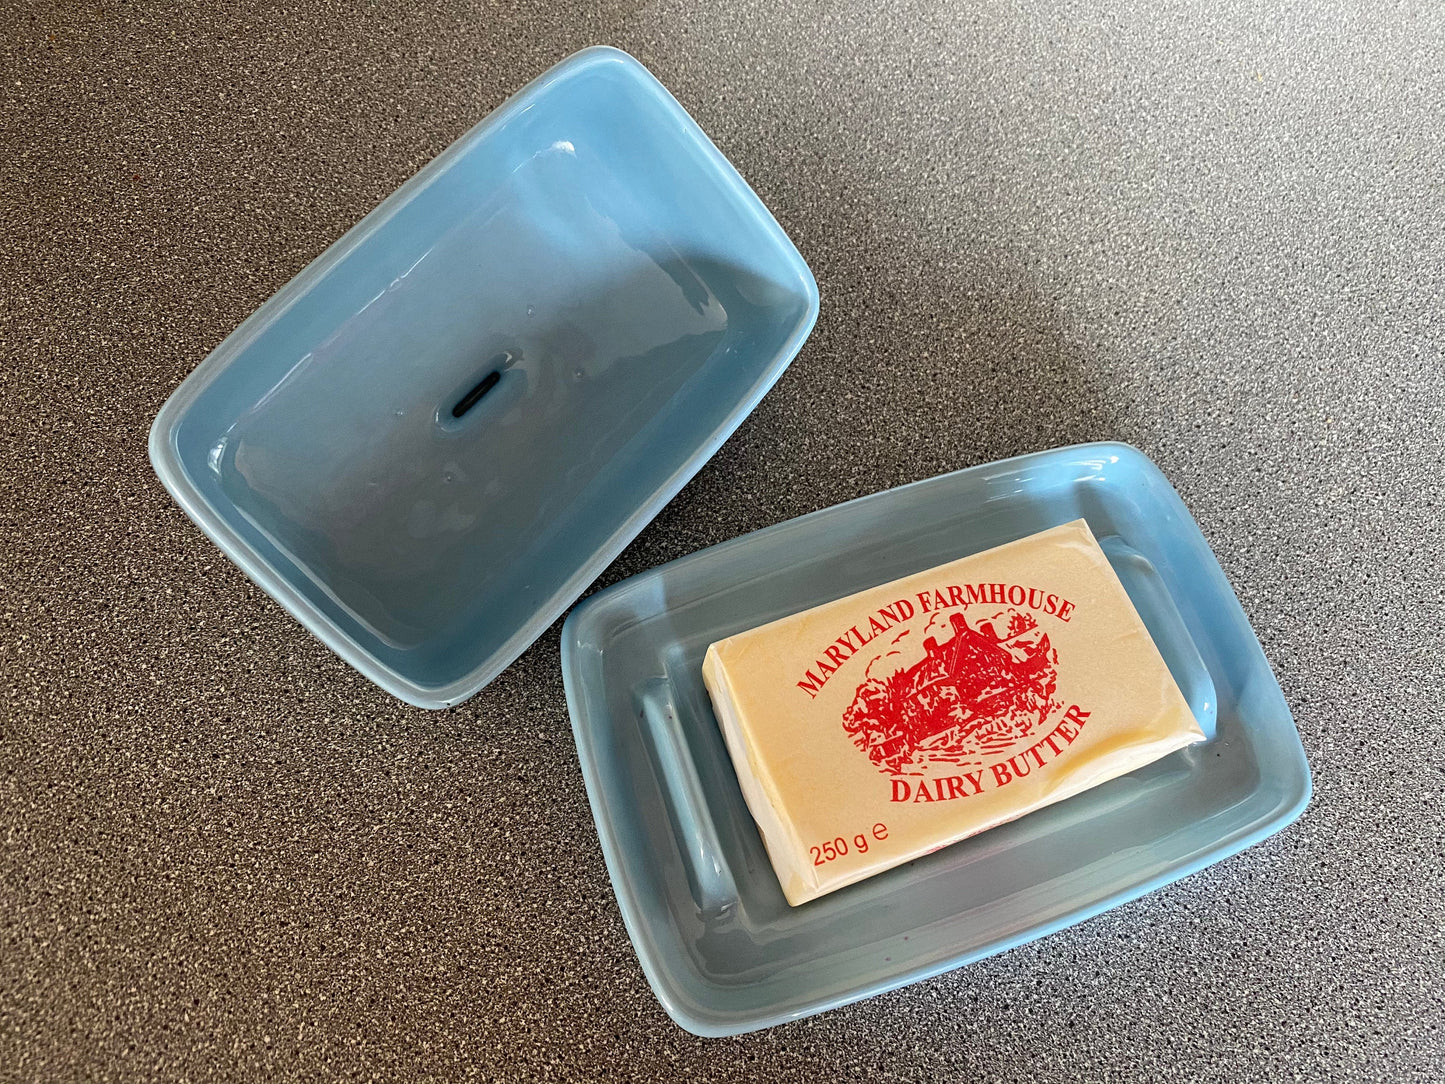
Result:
<point x="431" y="442"/>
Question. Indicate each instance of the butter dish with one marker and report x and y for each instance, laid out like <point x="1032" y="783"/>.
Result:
<point x="716" y="937"/>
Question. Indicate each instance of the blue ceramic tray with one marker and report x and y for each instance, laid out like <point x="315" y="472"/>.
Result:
<point x="721" y="947"/>
<point x="432" y="440"/>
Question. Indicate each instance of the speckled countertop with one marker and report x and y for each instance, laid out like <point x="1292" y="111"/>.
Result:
<point x="1213" y="230"/>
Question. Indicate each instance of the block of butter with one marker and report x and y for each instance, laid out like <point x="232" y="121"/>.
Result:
<point x="871" y="730"/>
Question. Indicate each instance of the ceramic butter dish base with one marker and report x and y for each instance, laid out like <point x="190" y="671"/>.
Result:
<point x="719" y="942"/>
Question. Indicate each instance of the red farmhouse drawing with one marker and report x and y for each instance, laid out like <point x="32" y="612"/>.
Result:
<point x="978" y="691"/>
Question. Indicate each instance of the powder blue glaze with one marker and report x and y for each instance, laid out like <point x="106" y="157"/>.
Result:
<point x="588" y="242"/>
<point x="721" y="947"/>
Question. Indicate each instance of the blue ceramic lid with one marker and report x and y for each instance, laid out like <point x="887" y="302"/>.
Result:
<point x="433" y="439"/>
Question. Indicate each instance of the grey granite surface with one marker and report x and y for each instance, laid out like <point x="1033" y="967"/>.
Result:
<point x="1215" y="230"/>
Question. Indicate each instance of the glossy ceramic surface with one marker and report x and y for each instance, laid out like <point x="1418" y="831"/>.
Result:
<point x="432" y="440"/>
<point x="720" y="945"/>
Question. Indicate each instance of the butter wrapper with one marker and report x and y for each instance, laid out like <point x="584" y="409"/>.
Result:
<point x="871" y="730"/>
